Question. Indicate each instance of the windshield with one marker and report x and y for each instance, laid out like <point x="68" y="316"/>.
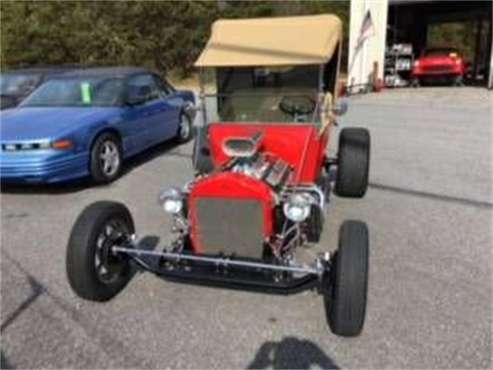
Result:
<point x="264" y="95"/>
<point x="77" y="92"/>
<point x="18" y="84"/>
<point x="441" y="52"/>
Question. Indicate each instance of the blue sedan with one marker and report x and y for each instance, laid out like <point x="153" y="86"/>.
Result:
<point x="86" y="122"/>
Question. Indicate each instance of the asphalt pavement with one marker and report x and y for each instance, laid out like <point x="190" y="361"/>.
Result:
<point x="429" y="209"/>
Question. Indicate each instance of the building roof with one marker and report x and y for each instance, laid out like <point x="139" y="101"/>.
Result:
<point x="281" y="41"/>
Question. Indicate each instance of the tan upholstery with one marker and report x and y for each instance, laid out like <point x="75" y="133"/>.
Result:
<point x="328" y="116"/>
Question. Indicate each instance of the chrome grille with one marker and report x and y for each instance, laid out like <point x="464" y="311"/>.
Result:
<point x="225" y="225"/>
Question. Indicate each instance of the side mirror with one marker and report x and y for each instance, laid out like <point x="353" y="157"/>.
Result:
<point x="137" y="95"/>
<point x="340" y="108"/>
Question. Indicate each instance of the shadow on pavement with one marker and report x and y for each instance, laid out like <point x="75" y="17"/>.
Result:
<point x="62" y="188"/>
<point x="152" y="153"/>
<point x="5" y="363"/>
<point x="440" y="197"/>
<point x="36" y="290"/>
<point x="291" y="353"/>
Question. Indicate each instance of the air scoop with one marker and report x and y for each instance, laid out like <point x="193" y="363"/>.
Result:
<point x="242" y="147"/>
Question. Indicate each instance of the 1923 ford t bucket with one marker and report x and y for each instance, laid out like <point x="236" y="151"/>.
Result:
<point x="262" y="179"/>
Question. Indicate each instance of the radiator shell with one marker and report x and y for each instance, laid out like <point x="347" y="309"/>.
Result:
<point x="230" y="213"/>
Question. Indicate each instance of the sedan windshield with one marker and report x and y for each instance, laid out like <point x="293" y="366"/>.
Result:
<point x="78" y="92"/>
<point x="18" y="84"/>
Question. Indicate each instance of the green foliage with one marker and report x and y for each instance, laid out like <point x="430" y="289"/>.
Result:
<point x="160" y="35"/>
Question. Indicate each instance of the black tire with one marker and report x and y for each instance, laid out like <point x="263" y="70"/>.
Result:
<point x="185" y="129"/>
<point x="84" y="249"/>
<point x="415" y="82"/>
<point x="201" y="158"/>
<point x="458" y="81"/>
<point x="345" y="301"/>
<point x="353" y="163"/>
<point x="98" y="172"/>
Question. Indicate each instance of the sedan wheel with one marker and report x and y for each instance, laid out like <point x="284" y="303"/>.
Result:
<point x="184" y="129"/>
<point x="110" y="158"/>
<point x="106" y="158"/>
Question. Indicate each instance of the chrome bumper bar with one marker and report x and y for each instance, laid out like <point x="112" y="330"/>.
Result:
<point x="318" y="269"/>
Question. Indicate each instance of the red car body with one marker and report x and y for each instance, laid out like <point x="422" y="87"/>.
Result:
<point x="301" y="146"/>
<point x="439" y="62"/>
<point x="262" y="179"/>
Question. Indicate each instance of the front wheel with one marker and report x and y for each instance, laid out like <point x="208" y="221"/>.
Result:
<point x="346" y="288"/>
<point x="106" y="158"/>
<point x="94" y="271"/>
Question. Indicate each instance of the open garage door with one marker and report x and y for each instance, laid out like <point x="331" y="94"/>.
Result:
<point x="401" y="30"/>
<point x="463" y="25"/>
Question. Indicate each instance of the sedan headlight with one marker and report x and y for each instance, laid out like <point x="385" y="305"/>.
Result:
<point x="171" y="200"/>
<point x="297" y="207"/>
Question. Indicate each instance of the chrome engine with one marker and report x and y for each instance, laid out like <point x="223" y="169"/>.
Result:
<point x="297" y="209"/>
<point x="274" y="171"/>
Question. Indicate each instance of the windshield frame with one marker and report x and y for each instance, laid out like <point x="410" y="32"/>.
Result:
<point x="315" y="118"/>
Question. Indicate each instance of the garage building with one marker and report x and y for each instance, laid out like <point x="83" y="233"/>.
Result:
<point x="376" y="26"/>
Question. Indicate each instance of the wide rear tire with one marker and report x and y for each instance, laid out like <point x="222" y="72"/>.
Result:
<point x="93" y="271"/>
<point x="345" y="301"/>
<point x="353" y="163"/>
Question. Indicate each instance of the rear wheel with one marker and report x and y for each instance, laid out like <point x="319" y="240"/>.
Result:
<point x="94" y="271"/>
<point x="106" y="158"/>
<point x="185" y="129"/>
<point x="458" y="81"/>
<point x="353" y="163"/>
<point x="345" y="299"/>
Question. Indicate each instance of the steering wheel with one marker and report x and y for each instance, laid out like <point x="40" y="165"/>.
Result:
<point x="297" y="105"/>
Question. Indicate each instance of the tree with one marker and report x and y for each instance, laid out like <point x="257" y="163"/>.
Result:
<point x="160" y="35"/>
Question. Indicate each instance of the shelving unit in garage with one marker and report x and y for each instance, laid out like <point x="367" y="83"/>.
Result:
<point x="398" y="66"/>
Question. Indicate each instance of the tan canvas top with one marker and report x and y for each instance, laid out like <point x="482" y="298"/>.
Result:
<point x="282" y="41"/>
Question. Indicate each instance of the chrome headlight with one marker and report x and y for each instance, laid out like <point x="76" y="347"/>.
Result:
<point x="171" y="200"/>
<point x="297" y="207"/>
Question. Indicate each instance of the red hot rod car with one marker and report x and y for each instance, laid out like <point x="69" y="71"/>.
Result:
<point x="262" y="179"/>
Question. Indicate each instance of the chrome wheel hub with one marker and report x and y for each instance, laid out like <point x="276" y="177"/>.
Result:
<point x="184" y="128"/>
<point x="110" y="158"/>
<point x="107" y="264"/>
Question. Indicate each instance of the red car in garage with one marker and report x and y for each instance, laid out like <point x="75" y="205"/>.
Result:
<point x="438" y="65"/>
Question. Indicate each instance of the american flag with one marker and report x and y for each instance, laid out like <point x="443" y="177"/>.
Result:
<point x="367" y="28"/>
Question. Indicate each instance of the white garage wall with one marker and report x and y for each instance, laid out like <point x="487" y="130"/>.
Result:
<point x="360" y="62"/>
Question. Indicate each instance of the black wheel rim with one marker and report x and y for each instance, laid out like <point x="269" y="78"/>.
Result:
<point x="109" y="265"/>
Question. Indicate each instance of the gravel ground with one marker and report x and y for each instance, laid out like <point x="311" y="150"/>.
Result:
<point x="429" y="209"/>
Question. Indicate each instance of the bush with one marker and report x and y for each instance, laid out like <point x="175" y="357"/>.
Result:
<point x="158" y="35"/>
